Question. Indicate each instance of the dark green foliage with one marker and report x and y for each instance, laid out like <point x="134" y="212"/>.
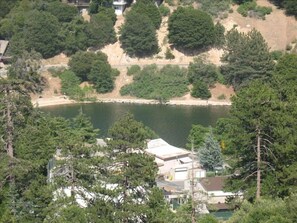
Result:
<point x="70" y="85"/>
<point x="219" y="35"/>
<point x="6" y="6"/>
<point x="259" y="11"/>
<point x="276" y="54"/>
<point x="63" y="12"/>
<point x="138" y="35"/>
<point x="165" y="11"/>
<point x="109" y="12"/>
<point x="95" y="68"/>
<point x="101" y="76"/>
<point x="207" y="218"/>
<point x="247" y="57"/>
<point x="134" y="69"/>
<point x="75" y="36"/>
<point x="196" y="136"/>
<point x="134" y="170"/>
<point x="169" y="55"/>
<point x="200" y="90"/>
<point x="26" y="68"/>
<point x="210" y="155"/>
<point x="41" y="33"/>
<point x="268" y="211"/>
<point x="101" y="30"/>
<point x="291" y="7"/>
<point x="163" y="84"/>
<point x="81" y="63"/>
<point x="150" y="10"/>
<point x="201" y="71"/>
<point x="215" y="7"/>
<point x="97" y="5"/>
<point x="190" y="29"/>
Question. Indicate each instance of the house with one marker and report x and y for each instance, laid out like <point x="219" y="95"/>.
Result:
<point x="213" y="188"/>
<point x="118" y="5"/>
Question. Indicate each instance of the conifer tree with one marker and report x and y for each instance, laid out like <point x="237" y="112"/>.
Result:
<point x="210" y="155"/>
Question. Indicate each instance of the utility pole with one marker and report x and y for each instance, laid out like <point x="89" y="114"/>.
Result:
<point x="193" y="213"/>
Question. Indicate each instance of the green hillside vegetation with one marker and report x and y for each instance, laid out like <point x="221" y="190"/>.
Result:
<point x="54" y="27"/>
<point x="161" y="84"/>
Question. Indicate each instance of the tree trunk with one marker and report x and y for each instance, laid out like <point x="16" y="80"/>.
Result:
<point x="258" y="193"/>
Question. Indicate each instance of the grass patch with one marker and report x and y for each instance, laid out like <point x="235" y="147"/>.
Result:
<point x="160" y="84"/>
<point x="216" y="8"/>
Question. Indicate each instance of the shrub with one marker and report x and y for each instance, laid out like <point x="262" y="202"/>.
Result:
<point x="222" y="97"/>
<point x="276" y="54"/>
<point x="200" y="71"/>
<point x="245" y="7"/>
<point x="170" y="2"/>
<point x="165" y="11"/>
<point x="169" y="55"/>
<point x="200" y="90"/>
<point x="70" y="85"/>
<point x="134" y="69"/>
<point x="215" y="7"/>
<point x="56" y="71"/>
<point x="161" y="84"/>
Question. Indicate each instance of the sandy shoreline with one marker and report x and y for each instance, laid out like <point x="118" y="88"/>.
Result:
<point x="60" y="100"/>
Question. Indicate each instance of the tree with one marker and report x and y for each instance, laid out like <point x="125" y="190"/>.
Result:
<point x="210" y="155"/>
<point x="75" y="36"/>
<point x="138" y="36"/>
<point x="101" y="30"/>
<point x="196" y="136"/>
<point x="41" y="33"/>
<point x="201" y="71"/>
<point x="26" y="68"/>
<point x="63" y="12"/>
<point x="81" y="63"/>
<point x="190" y="29"/>
<point x="132" y="170"/>
<point x="200" y="90"/>
<point x="267" y="211"/>
<point x="219" y="40"/>
<point x="101" y="76"/>
<point x="247" y="57"/>
<point x="149" y="9"/>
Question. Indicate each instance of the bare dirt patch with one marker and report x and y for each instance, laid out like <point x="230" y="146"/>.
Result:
<point x="277" y="29"/>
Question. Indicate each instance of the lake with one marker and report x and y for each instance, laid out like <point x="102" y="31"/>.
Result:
<point x="172" y="123"/>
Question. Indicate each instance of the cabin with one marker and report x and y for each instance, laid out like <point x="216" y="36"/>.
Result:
<point x="213" y="188"/>
<point x="3" y="48"/>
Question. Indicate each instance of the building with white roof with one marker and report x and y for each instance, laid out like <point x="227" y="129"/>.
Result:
<point x="174" y="163"/>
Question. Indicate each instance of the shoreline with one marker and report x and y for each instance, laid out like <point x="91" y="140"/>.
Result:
<point x="61" y="100"/>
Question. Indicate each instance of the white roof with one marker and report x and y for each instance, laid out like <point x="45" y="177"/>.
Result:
<point x="162" y="150"/>
<point x="186" y="160"/>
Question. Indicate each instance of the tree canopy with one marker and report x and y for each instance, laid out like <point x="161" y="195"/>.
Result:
<point x="138" y="35"/>
<point x="247" y="57"/>
<point x="191" y="29"/>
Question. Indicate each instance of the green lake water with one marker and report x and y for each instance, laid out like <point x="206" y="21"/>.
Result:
<point x="172" y="123"/>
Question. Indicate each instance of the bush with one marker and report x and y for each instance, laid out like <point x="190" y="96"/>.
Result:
<point x="200" y="71"/>
<point x="200" y="90"/>
<point x="219" y="35"/>
<point x="259" y="11"/>
<point x="70" y="85"/>
<point x="56" y="71"/>
<point x="169" y="55"/>
<point x="215" y="7"/>
<point x="244" y="8"/>
<point x="170" y="2"/>
<point x="134" y="69"/>
<point x="276" y="54"/>
<point x="161" y="84"/>
<point x="165" y="11"/>
<point x="222" y="97"/>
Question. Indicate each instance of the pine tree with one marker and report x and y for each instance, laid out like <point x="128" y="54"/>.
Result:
<point x="210" y="155"/>
<point x="131" y="170"/>
<point x="247" y="57"/>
